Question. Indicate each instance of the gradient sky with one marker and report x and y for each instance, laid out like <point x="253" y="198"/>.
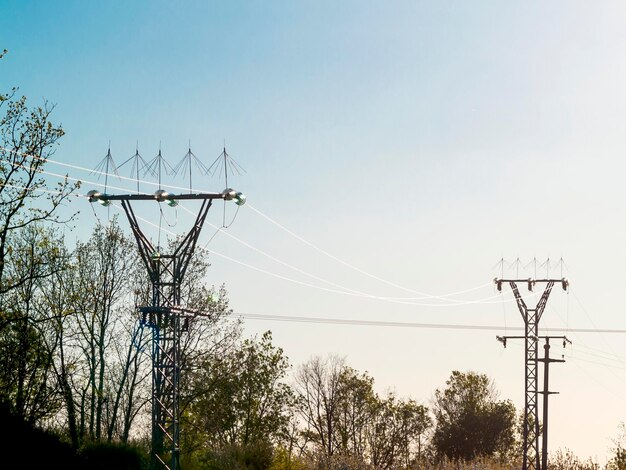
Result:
<point x="418" y="141"/>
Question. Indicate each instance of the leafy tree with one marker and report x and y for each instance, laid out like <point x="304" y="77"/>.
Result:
<point x="396" y="432"/>
<point x="356" y="401"/>
<point x="318" y="383"/>
<point x="254" y="456"/>
<point x="412" y="421"/>
<point x="240" y="403"/>
<point x="102" y="285"/>
<point x="26" y="380"/>
<point x="27" y="139"/>
<point x="618" y="461"/>
<point x="343" y="414"/>
<point x="30" y="255"/>
<point x="566" y="460"/>
<point x="470" y="421"/>
<point x="284" y="459"/>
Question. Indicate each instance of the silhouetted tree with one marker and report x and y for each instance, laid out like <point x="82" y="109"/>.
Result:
<point x="27" y="138"/>
<point x="470" y="421"/>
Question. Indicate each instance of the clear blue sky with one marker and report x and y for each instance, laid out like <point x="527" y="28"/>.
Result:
<point x="420" y="141"/>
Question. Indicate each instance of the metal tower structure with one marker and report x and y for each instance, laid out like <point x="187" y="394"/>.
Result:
<point x="531" y="317"/>
<point x="165" y="316"/>
<point x="547" y="360"/>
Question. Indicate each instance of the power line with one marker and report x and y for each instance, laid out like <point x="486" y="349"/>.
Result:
<point x="282" y="227"/>
<point x="592" y="377"/>
<point x="355" y="268"/>
<point x="347" y="289"/>
<point x="455" y="302"/>
<point x="604" y="356"/>
<point x="355" y="293"/>
<point x="376" y="323"/>
<point x="391" y="299"/>
<point x="595" y="362"/>
<point x="48" y="191"/>
<point x="307" y="284"/>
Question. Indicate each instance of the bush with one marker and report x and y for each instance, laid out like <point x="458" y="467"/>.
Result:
<point x="256" y="456"/>
<point x="566" y="460"/>
<point x="32" y="447"/>
<point x="107" y="456"/>
<point x="284" y="460"/>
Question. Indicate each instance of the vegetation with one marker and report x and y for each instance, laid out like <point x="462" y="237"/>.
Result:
<point x="471" y="422"/>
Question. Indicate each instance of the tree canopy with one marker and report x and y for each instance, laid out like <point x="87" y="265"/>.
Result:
<point x="470" y="421"/>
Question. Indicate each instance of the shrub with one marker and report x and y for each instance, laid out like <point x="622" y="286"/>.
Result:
<point x="101" y="456"/>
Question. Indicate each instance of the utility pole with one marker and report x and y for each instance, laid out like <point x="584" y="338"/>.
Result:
<point x="546" y="393"/>
<point x="165" y="316"/>
<point x="531" y="317"/>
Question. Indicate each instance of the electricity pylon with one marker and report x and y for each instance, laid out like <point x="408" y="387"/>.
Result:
<point x="547" y="360"/>
<point x="531" y="317"/>
<point x="165" y="316"/>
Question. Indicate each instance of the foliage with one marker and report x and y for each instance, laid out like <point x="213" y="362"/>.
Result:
<point x="348" y="424"/>
<point x="105" y="456"/>
<point x="470" y="422"/>
<point x="397" y="432"/>
<point x="253" y="456"/>
<point x="284" y="459"/>
<point x="26" y="361"/>
<point x="27" y="139"/>
<point x="618" y="461"/>
<point x="318" y="384"/>
<point x="44" y="449"/>
<point x="30" y="254"/>
<point x="93" y="337"/>
<point x="566" y="460"/>
<point x="240" y="402"/>
<point x="25" y="364"/>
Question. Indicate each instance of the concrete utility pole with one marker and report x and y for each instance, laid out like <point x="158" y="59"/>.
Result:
<point x="546" y="393"/>
<point x="531" y="317"/>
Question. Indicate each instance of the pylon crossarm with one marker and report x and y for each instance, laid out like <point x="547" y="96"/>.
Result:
<point x="159" y="197"/>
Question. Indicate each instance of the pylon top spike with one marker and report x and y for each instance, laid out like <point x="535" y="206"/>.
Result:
<point x="223" y="163"/>
<point x="186" y="164"/>
<point x="105" y="167"/>
<point x="156" y="166"/>
<point x="137" y="164"/>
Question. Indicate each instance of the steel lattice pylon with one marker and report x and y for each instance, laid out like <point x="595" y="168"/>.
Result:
<point x="165" y="316"/>
<point x="531" y="317"/>
<point x="166" y="273"/>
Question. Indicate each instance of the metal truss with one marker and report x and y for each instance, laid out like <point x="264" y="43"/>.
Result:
<point x="531" y="317"/>
<point x="168" y="322"/>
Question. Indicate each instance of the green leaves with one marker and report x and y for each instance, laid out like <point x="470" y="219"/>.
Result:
<point x="240" y="398"/>
<point x="347" y="421"/>
<point x="470" y="421"/>
<point x="27" y="138"/>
